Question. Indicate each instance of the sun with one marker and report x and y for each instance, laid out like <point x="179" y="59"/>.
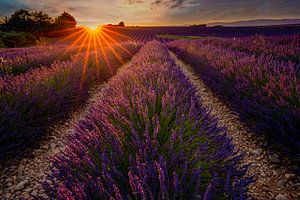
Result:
<point x="90" y="30"/>
<point x="93" y="27"/>
<point x="95" y="43"/>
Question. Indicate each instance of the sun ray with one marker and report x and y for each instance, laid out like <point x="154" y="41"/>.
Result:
<point x="90" y="42"/>
<point x="116" y="43"/>
<point x="83" y="43"/>
<point x="70" y="36"/>
<point x="84" y="34"/>
<point x="96" y="52"/>
<point x="86" y="59"/>
<point x="111" y="48"/>
<point x="116" y="33"/>
<point x="77" y="41"/>
<point x="66" y="30"/>
<point x="103" y="52"/>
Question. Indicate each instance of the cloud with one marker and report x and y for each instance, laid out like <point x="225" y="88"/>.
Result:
<point x="203" y="11"/>
<point x="160" y="12"/>
<point x="169" y="3"/>
<point x="134" y="1"/>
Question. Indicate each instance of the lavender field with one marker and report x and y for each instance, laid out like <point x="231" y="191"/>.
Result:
<point x="258" y="76"/>
<point x="119" y="112"/>
<point x="148" y="134"/>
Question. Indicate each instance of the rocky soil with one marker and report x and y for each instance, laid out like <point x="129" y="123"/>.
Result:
<point x="274" y="174"/>
<point x="275" y="179"/>
<point x="22" y="179"/>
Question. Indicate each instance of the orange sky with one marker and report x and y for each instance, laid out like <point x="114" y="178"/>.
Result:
<point x="158" y="12"/>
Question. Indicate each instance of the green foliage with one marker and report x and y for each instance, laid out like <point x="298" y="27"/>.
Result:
<point x="65" y="20"/>
<point x="16" y="39"/>
<point x="2" y="43"/>
<point x="43" y="41"/>
<point x="25" y="21"/>
<point x="36" y="22"/>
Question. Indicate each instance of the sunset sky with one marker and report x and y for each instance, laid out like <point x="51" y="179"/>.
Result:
<point x="159" y="12"/>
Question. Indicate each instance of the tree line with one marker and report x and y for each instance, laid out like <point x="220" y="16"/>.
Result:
<point x="36" y="22"/>
<point x="24" y="28"/>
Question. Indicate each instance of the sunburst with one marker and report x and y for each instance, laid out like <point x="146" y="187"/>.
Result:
<point x="91" y="42"/>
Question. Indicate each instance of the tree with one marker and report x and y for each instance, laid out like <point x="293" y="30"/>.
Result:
<point x="42" y="21"/>
<point x="38" y="23"/>
<point x="121" y="24"/>
<point x="199" y="25"/>
<point x="65" y="20"/>
<point x="19" y="21"/>
<point x="25" y="21"/>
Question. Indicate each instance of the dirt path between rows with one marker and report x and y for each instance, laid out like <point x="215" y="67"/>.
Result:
<point x="274" y="180"/>
<point x="22" y="179"/>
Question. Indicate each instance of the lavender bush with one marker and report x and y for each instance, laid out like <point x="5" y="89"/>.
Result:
<point x="144" y="34"/>
<point x="15" y="62"/>
<point x="264" y="91"/>
<point x="285" y="47"/>
<point x="30" y="102"/>
<point x="148" y="137"/>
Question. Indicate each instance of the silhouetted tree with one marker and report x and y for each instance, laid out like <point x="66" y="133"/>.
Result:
<point x="42" y="21"/>
<point x="19" y="21"/>
<point x="25" y="21"/>
<point x="199" y="25"/>
<point x="121" y="24"/>
<point x="65" y="20"/>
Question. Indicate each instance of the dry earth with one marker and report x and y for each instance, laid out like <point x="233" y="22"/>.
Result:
<point x="22" y="179"/>
<point x="274" y="177"/>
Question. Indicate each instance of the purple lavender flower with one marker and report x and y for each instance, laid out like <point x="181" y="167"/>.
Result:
<point x="148" y="138"/>
<point x="32" y="101"/>
<point x="260" y="81"/>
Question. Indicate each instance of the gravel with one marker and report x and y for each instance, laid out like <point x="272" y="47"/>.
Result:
<point x="21" y="185"/>
<point x="23" y="178"/>
<point x="281" y="197"/>
<point x="273" y="177"/>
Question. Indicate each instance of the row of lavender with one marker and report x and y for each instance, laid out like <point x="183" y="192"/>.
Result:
<point x="207" y="31"/>
<point x="30" y="102"/>
<point x="15" y="62"/>
<point x="148" y="137"/>
<point x="286" y="47"/>
<point x="137" y="35"/>
<point x="264" y="91"/>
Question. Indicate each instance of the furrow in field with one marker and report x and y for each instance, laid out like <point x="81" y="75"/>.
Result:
<point x="274" y="179"/>
<point x="23" y="178"/>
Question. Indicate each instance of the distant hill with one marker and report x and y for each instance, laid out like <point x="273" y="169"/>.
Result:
<point x="257" y="22"/>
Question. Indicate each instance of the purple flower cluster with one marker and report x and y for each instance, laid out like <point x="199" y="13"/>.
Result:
<point x="286" y="48"/>
<point x="30" y="102"/>
<point x="145" y="34"/>
<point x="15" y="62"/>
<point x="134" y="34"/>
<point x="148" y="137"/>
<point x="264" y="91"/>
